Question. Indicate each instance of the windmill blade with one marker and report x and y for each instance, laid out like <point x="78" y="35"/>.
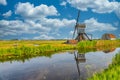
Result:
<point x="77" y="19"/>
<point x="74" y="32"/>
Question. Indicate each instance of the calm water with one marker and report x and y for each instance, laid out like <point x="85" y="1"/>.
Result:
<point x="60" y="66"/>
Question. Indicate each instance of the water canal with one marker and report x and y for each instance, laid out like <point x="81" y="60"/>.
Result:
<point x="70" y="65"/>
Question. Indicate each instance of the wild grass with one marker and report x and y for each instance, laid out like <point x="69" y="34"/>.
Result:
<point x="5" y="44"/>
<point x="32" y="51"/>
<point x="112" y="73"/>
<point x="21" y="49"/>
<point x="87" y="44"/>
<point x="98" y="43"/>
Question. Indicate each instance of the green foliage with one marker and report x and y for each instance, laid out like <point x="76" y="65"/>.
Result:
<point x="116" y="60"/>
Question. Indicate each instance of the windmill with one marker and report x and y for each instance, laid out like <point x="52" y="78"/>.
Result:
<point x="80" y="29"/>
<point x="79" y="58"/>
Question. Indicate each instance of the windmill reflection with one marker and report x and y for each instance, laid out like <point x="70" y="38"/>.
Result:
<point x="79" y="58"/>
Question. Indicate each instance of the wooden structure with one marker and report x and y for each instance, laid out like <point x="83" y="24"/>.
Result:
<point x="80" y="28"/>
<point x="72" y="41"/>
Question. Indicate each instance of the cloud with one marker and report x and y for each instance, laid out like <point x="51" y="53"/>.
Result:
<point x="71" y="33"/>
<point x="117" y="10"/>
<point x="18" y="27"/>
<point x="3" y="2"/>
<point x="57" y="23"/>
<point x="12" y="27"/>
<point x="27" y="10"/>
<point x="37" y="26"/>
<point x="63" y="3"/>
<point x="15" y="27"/>
<point x="93" y="25"/>
<point x="44" y="37"/>
<point x="7" y="14"/>
<point x="98" y="6"/>
<point x="30" y="25"/>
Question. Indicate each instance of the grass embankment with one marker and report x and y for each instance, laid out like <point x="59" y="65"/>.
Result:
<point x="97" y="45"/>
<point x="112" y="73"/>
<point x="26" y="49"/>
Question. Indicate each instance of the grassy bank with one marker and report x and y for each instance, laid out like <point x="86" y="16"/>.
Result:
<point x="112" y="73"/>
<point x="26" y="49"/>
<point x="98" y="43"/>
<point x="29" y="52"/>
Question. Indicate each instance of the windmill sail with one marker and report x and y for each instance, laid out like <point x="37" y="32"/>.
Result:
<point x="76" y="23"/>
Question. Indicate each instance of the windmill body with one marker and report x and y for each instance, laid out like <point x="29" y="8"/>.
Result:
<point x="81" y="35"/>
<point x="80" y="29"/>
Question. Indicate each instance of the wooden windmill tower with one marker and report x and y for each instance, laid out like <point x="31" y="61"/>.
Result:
<point x="80" y="28"/>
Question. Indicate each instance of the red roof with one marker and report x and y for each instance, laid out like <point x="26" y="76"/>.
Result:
<point x="112" y="36"/>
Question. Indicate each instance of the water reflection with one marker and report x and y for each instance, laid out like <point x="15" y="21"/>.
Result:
<point x="79" y="58"/>
<point x="109" y="50"/>
<point x="70" y="65"/>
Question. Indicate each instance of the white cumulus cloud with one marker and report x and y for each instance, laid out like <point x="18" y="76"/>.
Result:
<point x="93" y="25"/>
<point x="98" y="6"/>
<point x="42" y="27"/>
<point x="63" y="3"/>
<point x="3" y="2"/>
<point x="15" y="27"/>
<point x="44" y="36"/>
<point x="28" y="10"/>
<point x="117" y="10"/>
<point x="57" y="23"/>
<point x="7" y="14"/>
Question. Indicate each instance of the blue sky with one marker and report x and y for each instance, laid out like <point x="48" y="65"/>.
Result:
<point x="55" y="19"/>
